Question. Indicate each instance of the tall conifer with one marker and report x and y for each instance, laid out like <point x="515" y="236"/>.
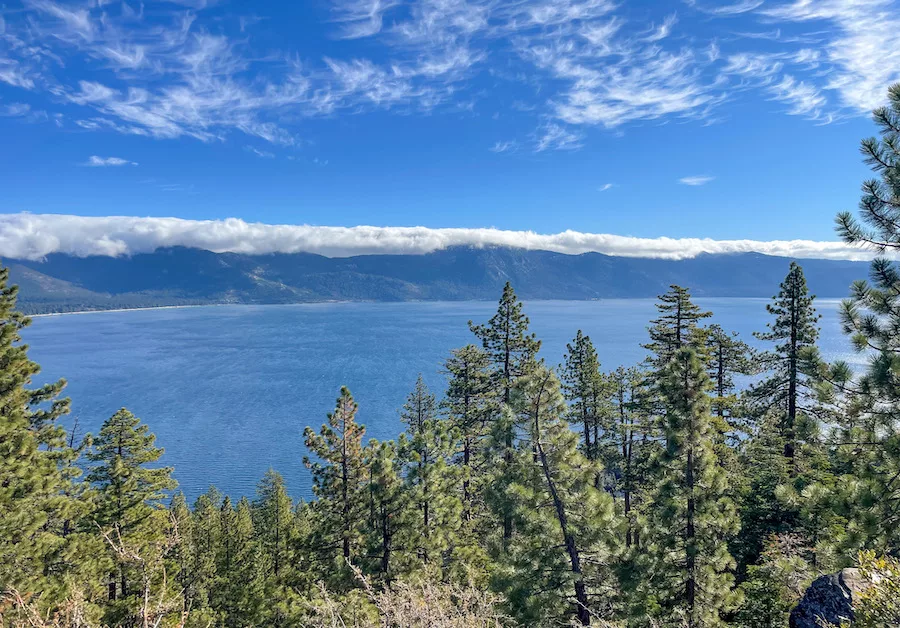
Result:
<point x="786" y="391"/>
<point x="691" y="514"/>
<point x="339" y="477"/>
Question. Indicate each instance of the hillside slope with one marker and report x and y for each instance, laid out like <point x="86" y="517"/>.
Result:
<point x="179" y="276"/>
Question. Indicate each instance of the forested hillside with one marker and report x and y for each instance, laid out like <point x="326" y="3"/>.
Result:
<point x="525" y="494"/>
<point x="182" y="276"/>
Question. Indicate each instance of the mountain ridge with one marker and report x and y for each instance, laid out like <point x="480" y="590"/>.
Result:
<point x="190" y="276"/>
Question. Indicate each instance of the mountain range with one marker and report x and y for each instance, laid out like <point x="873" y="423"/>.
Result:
<point x="182" y="276"/>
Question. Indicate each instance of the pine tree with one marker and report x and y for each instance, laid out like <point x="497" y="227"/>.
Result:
<point x="676" y="326"/>
<point x="128" y="491"/>
<point x="763" y="515"/>
<point x="692" y="515"/>
<point x="625" y="448"/>
<point x="513" y="351"/>
<point x="183" y="552"/>
<point x="391" y="520"/>
<point x="38" y="497"/>
<point x="584" y="387"/>
<point x="273" y="514"/>
<point x="240" y="589"/>
<point x="506" y="339"/>
<point x="556" y="565"/>
<point x="727" y="356"/>
<point x="867" y="443"/>
<point x="206" y="538"/>
<point x="786" y="391"/>
<point x="425" y="450"/>
<point x="338" y="476"/>
<point x="469" y="404"/>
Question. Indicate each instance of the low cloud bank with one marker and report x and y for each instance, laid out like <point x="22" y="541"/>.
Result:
<point x="34" y="236"/>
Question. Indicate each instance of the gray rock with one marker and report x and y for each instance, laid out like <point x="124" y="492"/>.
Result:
<point x="829" y="599"/>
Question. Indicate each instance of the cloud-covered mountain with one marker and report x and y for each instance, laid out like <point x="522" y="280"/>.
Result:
<point x="177" y="275"/>
<point x="34" y="236"/>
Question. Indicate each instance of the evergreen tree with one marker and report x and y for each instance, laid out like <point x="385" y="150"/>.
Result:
<point x="37" y="497"/>
<point x="240" y="591"/>
<point x="763" y="515"/>
<point x="206" y="539"/>
<point x="273" y="514"/>
<point x="183" y="552"/>
<point x="786" y="391"/>
<point x="513" y="351"/>
<point x="338" y="477"/>
<point x="727" y="356"/>
<point x="469" y="404"/>
<point x="391" y="521"/>
<point x="425" y="450"/>
<point x="692" y="515"/>
<point x="625" y="448"/>
<point x="129" y="492"/>
<point x="867" y="443"/>
<point x="583" y="385"/>
<point x="676" y="326"/>
<point x="556" y="565"/>
<point x="506" y="339"/>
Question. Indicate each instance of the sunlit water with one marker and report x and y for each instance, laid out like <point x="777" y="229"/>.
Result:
<point x="229" y="389"/>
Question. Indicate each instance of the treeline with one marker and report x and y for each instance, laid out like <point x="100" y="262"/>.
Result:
<point x="527" y="495"/>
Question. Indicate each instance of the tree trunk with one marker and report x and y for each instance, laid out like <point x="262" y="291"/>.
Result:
<point x="582" y="612"/>
<point x="790" y="423"/>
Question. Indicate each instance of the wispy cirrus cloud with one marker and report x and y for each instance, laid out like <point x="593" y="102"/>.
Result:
<point x="696" y="180"/>
<point x="264" y="154"/>
<point x="504" y="147"/>
<point x="99" y="162"/>
<point x="556" y="137"/>
<point x="606" y="186"/>
<point x="176" y="72"/>
<point x="34" y="236"/>
<point x="864" y="51"/>
<point x="725" y="10"/>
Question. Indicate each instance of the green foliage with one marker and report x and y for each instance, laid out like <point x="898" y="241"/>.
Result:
<point x="879" y="604"/>
<point x="692" y="517"/>
<point x="786" y="392"/>
<point x="676" y="326"/>
<point x="469" y="404"/>
<point x="506" y="339"/>
<point x="338" y="481"/>
<point x="425" y="451"/>
<point x="775" y="585"/>
<point x="686" y="503"/>
<point x="558" y="565"/>
<point x="585" y="389"/>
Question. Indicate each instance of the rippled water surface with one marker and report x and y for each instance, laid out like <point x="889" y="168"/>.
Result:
<point x="229" y="389"/>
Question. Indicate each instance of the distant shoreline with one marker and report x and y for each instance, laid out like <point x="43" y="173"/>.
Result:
<point x="126" y="309"/>
<point x="340" y="301"/>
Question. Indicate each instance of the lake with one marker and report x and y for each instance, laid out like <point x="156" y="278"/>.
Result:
<point x="229" y="389"/>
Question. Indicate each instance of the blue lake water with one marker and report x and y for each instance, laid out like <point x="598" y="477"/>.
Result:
<point x="229" y="389"/>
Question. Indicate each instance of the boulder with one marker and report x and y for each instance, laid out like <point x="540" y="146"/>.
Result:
<point x="829" y="599"/>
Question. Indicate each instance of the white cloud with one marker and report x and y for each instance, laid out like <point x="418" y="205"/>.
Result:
<point x="702" y="179"/>
<point x="727" y="10"/>
<point x="259" y="153"/>
<point x="177" y="72"/>
<point x="863" y="51"/>
<point x="504" y="147"/>
<point x="606" y="186"/>
<point x="15" y="110"/>
<point x="96" y="161"/>
<point x="33" y="236"/>
<point x="556" y="137"/>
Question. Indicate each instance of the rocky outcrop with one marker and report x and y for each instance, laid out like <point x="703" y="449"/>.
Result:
<point x="829" y="599"/>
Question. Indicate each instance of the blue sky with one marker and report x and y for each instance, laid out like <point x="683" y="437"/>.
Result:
<point x="682" y="119"/>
